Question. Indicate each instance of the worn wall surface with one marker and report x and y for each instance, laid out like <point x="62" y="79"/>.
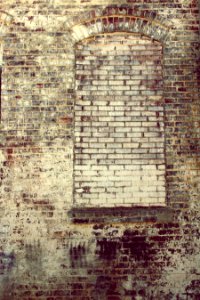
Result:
<point x="50" y="248"/>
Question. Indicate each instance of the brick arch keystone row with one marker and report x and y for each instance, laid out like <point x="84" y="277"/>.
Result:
<point x="121" y="23"/>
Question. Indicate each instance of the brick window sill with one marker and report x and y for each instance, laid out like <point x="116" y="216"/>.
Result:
<point x="121" y="214"/>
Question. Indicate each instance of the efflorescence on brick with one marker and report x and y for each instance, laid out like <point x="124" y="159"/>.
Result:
<point x="124" y="74"/>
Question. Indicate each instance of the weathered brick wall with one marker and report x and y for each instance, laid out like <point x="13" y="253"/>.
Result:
<point x="119" y="122"/>
<point x="47" y="249"/>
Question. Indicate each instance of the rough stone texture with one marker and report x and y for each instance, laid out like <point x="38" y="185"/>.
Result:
<point x="44" y="254"/>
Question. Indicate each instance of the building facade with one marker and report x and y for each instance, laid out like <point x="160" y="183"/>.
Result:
<point x="99" y="137"/>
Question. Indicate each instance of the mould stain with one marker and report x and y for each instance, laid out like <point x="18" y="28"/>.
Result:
<point x="107" y="249"/>
<point x="77" y="255"/>
<point x="7" y="261"/>
<point x="138" y="245"/>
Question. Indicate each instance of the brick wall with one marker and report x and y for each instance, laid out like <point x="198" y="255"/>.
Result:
<point x="119" y="122"/>
<point x="49" y="249"/>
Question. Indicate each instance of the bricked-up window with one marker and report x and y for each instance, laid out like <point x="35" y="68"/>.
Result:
<point x="119" y="151"/>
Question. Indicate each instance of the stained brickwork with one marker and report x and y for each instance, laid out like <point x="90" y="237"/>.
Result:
<point x="119" y="122"/>
<point x="49" y="249"/>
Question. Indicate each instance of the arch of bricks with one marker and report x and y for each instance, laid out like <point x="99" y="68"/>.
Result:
<point x="121" y="20"/>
